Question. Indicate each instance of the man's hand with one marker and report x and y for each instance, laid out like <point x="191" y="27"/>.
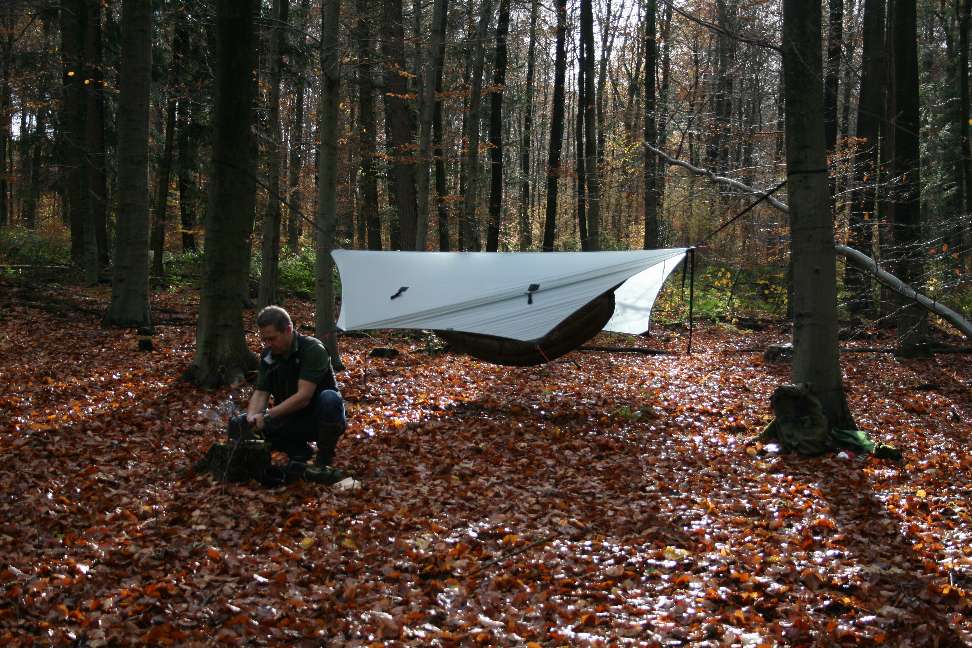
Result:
<point x="256" y="420"/>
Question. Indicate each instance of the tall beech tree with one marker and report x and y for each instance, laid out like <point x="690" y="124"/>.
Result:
<point x="652" y="238"/>
<point x="556" y="127"/>
<point x="441" y="188"/>
<point x="906" y="169"/>
<point x="71" y="124"/>
<point x="526" y="137"/>
<point x="964" y="10"/>
<point x="470" y="224"/>
<point x="815" y="352"/>
<point x="95" y="180"/>
<point x="399" y="121"/>
<point x="869" y="111"/>
<point x="222" y="356"/>
<point x="298" y="64"/>
<point x="367" y="134"/>
<point x="496" y="130"/>
<point x="270" y="248"/>
<point x="429" y="101"/>
<point x="129" y="286"/>
<point x="327" y="180"/>
<point x="186" y="122"/>
<point x="589" y="109"/>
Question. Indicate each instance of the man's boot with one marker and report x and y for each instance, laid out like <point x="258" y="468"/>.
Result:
<point x="327" y="438"/>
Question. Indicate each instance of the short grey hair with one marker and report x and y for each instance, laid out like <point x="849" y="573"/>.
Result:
<point x="274" y="316"/>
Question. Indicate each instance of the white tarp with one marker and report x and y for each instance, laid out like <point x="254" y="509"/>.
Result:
<point x="517" y="295"/>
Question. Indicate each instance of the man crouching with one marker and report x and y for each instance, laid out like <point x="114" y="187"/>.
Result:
<point x="296" y="371"/>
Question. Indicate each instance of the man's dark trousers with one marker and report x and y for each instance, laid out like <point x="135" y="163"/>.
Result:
<point x="322" y="421"/>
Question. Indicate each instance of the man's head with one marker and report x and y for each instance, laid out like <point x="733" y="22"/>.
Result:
<point x="276" y="329"/>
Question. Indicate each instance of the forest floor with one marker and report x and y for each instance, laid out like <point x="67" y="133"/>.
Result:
<point x="604" y="499"/>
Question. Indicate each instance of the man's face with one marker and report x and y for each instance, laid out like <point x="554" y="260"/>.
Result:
<point x="276" y="340"/>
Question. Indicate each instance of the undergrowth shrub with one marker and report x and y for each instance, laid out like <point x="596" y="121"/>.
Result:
<point x="22" y="246"/>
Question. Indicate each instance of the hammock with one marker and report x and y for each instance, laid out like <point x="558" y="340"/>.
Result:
<point x="508" y="308"/>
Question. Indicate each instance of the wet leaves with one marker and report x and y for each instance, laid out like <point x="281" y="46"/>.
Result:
<point x="606" y="499"/>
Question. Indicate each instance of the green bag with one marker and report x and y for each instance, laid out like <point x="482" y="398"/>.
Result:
<point x="800" y="426"/>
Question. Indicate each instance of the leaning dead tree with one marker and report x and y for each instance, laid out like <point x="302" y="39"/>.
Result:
<point x="855" y="257"/>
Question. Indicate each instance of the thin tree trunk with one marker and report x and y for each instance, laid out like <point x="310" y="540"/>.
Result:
<point x="869" y="109"/>
<point x="815" y="352"/>
<point x="964" y="9"/>
<point x="129" y="287"/>
<point x="663" y="107"/>
<point x="222" y="356"/>
<point x="496" y="130"/>
<point x="162" y="192"/>
<point x="270" y="248"/>
<point x="885" y="176"/>
<point x="29" y="213"/>
<point x="556" y="128"/>
<point x="294" y="196"/>
<point x="185" y="68"/>
<point x="96" y="190"/>
<point x="441" y="190"/>
<point x="433" y="85"/>
<point x="327" y="200"/>
<point x="835" y="42"/>
<point x="851" y="16"/>
<point x="589" y="109"/>
<point x="399" y="123"/>
<point x="187" y="165"/>
<point x="71" y="123"/>
<point x="6" y="111"/>
<point x="470" y="224"/>
<point x="526" y="226"/>
<point x="579" y="159"/>
<point x="911" y="320"/>
<point x="652" y="237"/>
<point x="368" y="178"/>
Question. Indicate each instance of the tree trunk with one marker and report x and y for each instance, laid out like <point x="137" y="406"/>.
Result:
<point x="162" y="193"/>
<point x="589" y="109"/>
<point x="556" y="128"/>
<point x="296" y="162"/>
<point x="433" y="85"/>
<point x="526" y="226"/>
<point x="129" y="286"/>
<point x="270" y="248"/>
<point x="869" y="109"/>
<point x="399" y="122"/>
<point x="719" y="141"/>
<point x="327" y="184"/>
<point x="911" y="320"/>
<point x="663" y="107"/>
<point x="652" y="238"/>
<point x="71" y="123"/>
<point x="964" y="8"/>
<point x="368" y="207"/>
<point x="851" y="16"/>
<point x="496" y="130"/>
<point x="187" y="165"/>
<point x="470" y="224"/>
<point x="95" y="184"/>
<point x="185" y="69"/>
<point x="835" y="36"/>
<point x="441" y="190"/>
<point x="6" y="110"/>
<point x="580" y="162"/>
<point x="815" y="360"/>
<point x="222" y="357"/>
<point x="29" y="213"/>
